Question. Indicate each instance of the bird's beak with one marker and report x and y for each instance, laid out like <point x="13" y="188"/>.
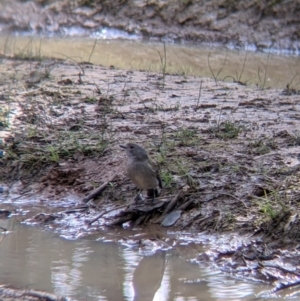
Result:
<point x="123" y="146"/>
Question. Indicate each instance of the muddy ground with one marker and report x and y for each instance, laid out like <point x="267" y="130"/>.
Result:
<point x="228" y="153"/>
<point x="235" y="23"/>
<point x="228" y="156"/>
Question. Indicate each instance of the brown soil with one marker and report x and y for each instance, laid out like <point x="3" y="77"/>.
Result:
<point x="262" y="24"/>
<point x="228" y="154"/>
<point x="230" y="150"/>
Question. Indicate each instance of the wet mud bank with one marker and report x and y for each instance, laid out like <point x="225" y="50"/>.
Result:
<point x="228" y="156"/>
<point x="251" y="24"/>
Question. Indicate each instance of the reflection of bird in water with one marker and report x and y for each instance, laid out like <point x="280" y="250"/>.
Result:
<point x="148" y="275"/>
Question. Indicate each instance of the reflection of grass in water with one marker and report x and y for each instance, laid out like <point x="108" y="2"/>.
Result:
<point x="262" y="82"/>
<point x="163" y="63"/>
<point x="218" y="72"/>
<point x="238" y="76"/>
<point x="31" y="50"/>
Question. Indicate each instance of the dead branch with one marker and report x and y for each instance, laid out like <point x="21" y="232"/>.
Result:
<point x="121" y="220"/>
<point x="172" y="204"/>
<point x="283" y="286"/>
<point x="186" y="205"/>
<point x="103" y="213"/>
<point x="97" y="191"/>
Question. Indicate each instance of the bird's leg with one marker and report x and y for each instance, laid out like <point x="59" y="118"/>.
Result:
<point x="138" y="196"/>
<point x="151" y="194"/>
<point x="153" y="199"/>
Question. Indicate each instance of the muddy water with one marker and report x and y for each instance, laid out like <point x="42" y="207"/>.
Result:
<point x="93" y="270"/>
<point x="262" y="69"/>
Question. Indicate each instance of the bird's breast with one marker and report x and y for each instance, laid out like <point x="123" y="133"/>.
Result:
<point x="142" y="175"/>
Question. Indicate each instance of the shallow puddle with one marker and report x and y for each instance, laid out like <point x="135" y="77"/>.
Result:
<point x="93" y="270"/>
<point x="262" y="69"/>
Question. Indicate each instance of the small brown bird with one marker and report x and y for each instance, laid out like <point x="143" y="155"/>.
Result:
<point x="141" y="170"/>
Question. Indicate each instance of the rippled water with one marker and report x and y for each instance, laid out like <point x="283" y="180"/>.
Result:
<point x="93" y="270"/>
<point x="262" y="69"/>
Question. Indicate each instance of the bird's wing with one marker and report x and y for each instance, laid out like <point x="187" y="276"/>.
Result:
<point x="155" y="169"/>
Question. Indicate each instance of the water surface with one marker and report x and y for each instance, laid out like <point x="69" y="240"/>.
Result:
<point x="88" y="269"/>
<point x="261" y="69"/>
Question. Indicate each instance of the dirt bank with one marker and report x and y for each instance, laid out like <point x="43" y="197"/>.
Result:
<point x="257" y="24"/>
<point x="230" y="150"/>
<point x="228" y="153"/>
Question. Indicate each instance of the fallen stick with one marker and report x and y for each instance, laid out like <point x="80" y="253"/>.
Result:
<point x="121" y="220"/>
<point x="97" y="191"/>
<point x="186" y="204"/>
<point x="279" y="268"/>
<point x="103" y="213"/>
<point x="34" y="295"/>
<point x="283" y="286"/>
<point x="172" y="204"/>
<point x="193" y="219"/>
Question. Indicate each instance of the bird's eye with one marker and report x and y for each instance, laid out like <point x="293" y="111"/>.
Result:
<point x="131" y="146"/>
